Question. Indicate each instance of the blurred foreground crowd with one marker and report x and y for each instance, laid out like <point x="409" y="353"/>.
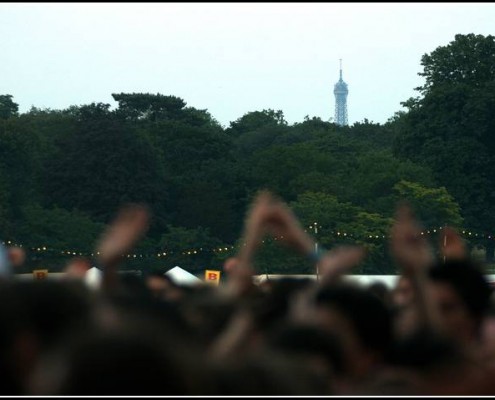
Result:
<point x="431" y="334"/>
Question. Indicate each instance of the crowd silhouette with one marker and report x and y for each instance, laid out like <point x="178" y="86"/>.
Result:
<point x="433" y="333"/>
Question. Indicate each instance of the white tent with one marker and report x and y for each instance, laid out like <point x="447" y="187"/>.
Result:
<point x="93" y="277"/>
<point x="182" y="277"/>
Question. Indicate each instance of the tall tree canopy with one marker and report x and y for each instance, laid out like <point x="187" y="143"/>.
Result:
<point x="7" y="106"/>
<point x="198" y="177"/>
<point x="450" y="127"/>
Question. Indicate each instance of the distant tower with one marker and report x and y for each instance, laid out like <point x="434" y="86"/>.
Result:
<point x="340" y="91"/>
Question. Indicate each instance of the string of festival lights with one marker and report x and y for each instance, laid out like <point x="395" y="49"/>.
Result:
<point x="225" y="248"/>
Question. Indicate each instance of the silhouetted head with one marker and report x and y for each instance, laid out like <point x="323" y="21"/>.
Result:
<point x="462" y="294"/>
<point x="361" y="320"/>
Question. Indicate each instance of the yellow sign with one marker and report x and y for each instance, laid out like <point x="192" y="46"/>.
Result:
<point x="40" y="273"/>
<point x="212" y="276"/>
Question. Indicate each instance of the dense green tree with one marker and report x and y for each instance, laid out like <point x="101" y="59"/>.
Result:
<point x="199" y="178"/>
<point x="185" y="148"/>
<point x="257" y="130"/>
<point x="146" y="107"/>
<point x="450" y="126"/>
<point x="255" y="120"/>
<point x="276" y="166"/>
<point x="329" y="214"/>
<point x="373" y="134"/>
<point x="20" y="161"/>
<point x="370" y="182"/>
<point x="8" y="108"/>
<point x="59" y="229"/>
<point x="105" y="164"/>
<point x="43" y="131"/>
<point x="434" y="207"/>
<point x="6" y="218"/>
<point x="52" y="236"/>
<point x="335" y="223"/>
<point x="371" y="230"/>
<point x="137" y="106"/>
<point x="469" y="59"/>
<point x="204" y="203"/>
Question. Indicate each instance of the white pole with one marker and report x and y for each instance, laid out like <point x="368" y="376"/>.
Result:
<point x="316" y="250"/>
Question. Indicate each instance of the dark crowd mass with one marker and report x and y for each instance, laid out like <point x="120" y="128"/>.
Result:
<point x="432" y="333"/>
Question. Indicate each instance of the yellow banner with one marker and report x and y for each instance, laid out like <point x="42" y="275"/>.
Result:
<point x="40" y="273"/>
<point x="212" y="276"/>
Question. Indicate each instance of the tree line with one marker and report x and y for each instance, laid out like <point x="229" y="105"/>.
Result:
<point x="64" y="173"/>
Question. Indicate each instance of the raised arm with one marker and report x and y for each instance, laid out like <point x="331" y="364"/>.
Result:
<point x="332" y="264"/>
<point x="121" y="235"/>
<point x="452" y="246"/>
<point x="241" y="269"/>
<point x="414" y="256"/>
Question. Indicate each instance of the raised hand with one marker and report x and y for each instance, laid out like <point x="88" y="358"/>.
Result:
<point x="409" y="248"/>
<point x="338" y="261"/>
<point x="414" y="255"/>
<point x="240" y="268"/>
<point x="452" y="246"/>
<point x="282" y="223"/>
<point x="128" y="227"/>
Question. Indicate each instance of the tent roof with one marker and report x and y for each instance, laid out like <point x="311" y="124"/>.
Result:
<point x="182" y="277"/>
<point x="93" y="277"/>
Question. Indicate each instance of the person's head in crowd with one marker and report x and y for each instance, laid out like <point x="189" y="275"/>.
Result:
<point x="77" y="267"/>
<point x="17" y="256"/>
<point x="18" y="349"/>
<point x="269" y="373"/>
<point x="206" y="312"/>
<point x="441" y="365"/>
<point x="313" y="345"/>
<point x="403" y="292"/>
<point x="136" y="357"/>
<point x="362" y="322"/>
<point x="462" y="294"/>
<point x="405" y="316"/>
<point x="163" y="286"/>
<point x="54" y="308"/>
<point x="382" y="291"/>
<point x="35" y="316"/>
<point x="271" y="307"/>
<point x="134" y="284"/>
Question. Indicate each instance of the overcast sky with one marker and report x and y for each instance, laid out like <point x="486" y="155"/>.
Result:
<point x="228" y="58"/>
